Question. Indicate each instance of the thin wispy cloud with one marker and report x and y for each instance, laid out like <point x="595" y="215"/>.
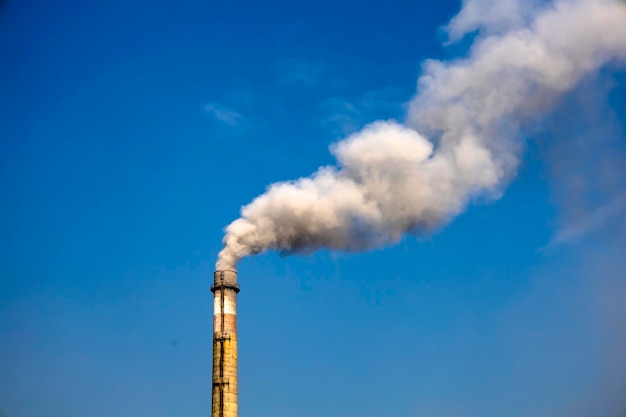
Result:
<point x="223" y="114"/>
<point x="340" y="115"/>
<point x="344" y="115"/>
<point x="302" y="74"/>
<point x="596" y="220"/>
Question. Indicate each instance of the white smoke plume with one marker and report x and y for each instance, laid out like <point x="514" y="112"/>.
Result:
<point x="391" y="180"/>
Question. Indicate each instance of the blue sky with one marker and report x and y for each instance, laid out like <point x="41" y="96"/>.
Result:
<point x="131" y="133"/>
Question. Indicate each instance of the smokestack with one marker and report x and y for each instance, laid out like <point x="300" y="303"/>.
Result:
<point x="225" y="289"/>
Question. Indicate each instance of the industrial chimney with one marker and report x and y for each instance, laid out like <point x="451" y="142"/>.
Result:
<point x="225" y="289"/>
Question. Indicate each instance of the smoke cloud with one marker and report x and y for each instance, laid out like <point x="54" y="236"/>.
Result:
<point x="461" y="140"/>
